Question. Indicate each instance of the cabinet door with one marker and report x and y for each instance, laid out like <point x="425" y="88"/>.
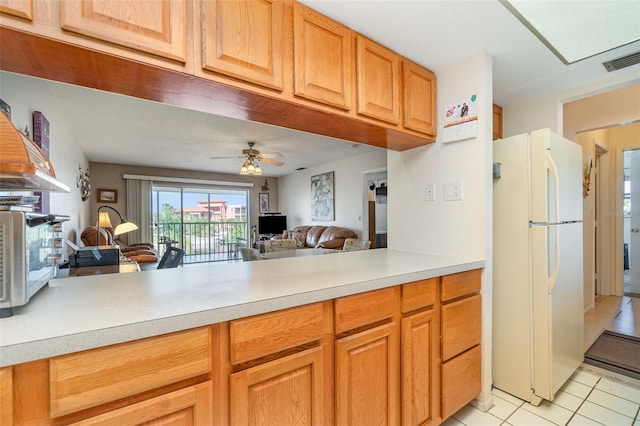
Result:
<point x="497" y="122"/>
<point x="244" y="40"/>
<point x="367" y="387"/>
<point x="378" y="81"/>
<point x="158" y="27"/>
<point x="287" y="391"/>
<point x="6" y="401"/>
<point x="323" y="52"/>
<point x="19" y="8"/>
<point x="188" y="406"/>
<point x="420" y="390"/>
<point x="419" y="98"/>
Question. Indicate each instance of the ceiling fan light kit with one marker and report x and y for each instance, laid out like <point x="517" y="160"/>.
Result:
<point x="252" y="156"/>
<point x="250" y="167"/>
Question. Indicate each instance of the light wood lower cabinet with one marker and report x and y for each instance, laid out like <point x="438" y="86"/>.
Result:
<point x="461" y="321"/>
<point x="287" y="391"/>
<point x="420" y="366"/>
<point x="189" y="406"/>
<point x="367" y="368"/>
<point x="460" y="381"/>
<point x="370" y="358"/>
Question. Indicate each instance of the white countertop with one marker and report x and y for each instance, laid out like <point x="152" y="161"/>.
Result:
<point x="74" y="314"/>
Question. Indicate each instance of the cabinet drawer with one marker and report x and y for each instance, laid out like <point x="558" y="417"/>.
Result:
<point x="462" y="284"/>
<point x="461" y="326"/>
<point x="261" y="335"/>
<point x="460" y="381"/>
<point x="363" y="309"/>
<point x="97" y="376"/>
<point x="189" y="406"/>
<point x="419" y="294"/>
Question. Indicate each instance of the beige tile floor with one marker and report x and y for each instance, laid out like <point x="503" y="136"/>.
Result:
<point x="591" y="397"/>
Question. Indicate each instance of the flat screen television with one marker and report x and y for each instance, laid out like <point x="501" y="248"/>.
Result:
<point x="272" y="224"/>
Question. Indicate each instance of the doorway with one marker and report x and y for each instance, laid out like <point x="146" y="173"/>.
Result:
<point x="375" y="208"/>
<point x="631" y="226"/>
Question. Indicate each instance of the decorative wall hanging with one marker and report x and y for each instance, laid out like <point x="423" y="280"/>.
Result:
<point x="322" y="198"/>
<point x="84" y="183"/>
<point x="41" y="138"/>
<point x="586" y="183"/>
<point x="264" y="202"/>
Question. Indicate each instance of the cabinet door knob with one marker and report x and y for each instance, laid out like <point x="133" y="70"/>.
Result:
<point x="635" y="230"/>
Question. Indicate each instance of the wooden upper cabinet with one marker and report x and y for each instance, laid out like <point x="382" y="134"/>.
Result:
<point x="323" y="58"/>
<point x="244" y="40"/>
<point x="158" y="27"/>
<point x="497" y="122"/>
<point x="19" y="8"/>
<point x="378" y="74"/>
<point x="419" y="98"/>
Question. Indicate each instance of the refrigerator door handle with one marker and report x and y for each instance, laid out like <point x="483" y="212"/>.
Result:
<point x="553" y="277"/>
<point x="553" y="171"/>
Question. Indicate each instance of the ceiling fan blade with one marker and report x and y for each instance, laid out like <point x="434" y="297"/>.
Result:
<point x="271" y="155"/>
<point x="270" y="161"/>
<point x="227" y="157"/>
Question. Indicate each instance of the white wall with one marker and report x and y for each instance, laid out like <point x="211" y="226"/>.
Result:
<point x="295" y="191"/>
<point x="65" y="154"/>
<point x="546" y="111"/>
<point x="458" y="228"/>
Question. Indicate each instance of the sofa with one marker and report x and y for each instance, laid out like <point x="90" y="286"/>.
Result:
<point x="141" y="253"/>
<point x="329" y="237"/>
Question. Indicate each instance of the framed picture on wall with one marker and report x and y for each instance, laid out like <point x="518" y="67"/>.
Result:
<point x="322" y="201"/>
<point x="264" y="202"/>
<point x="107" y="196"/>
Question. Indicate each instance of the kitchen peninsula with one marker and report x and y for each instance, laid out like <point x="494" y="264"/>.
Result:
<point x="162" y="342"/>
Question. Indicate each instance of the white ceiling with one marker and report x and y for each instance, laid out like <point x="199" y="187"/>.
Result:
<point x="435" y="34"/>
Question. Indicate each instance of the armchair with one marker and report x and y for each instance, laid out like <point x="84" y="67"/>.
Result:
<point x="141" y="253"/>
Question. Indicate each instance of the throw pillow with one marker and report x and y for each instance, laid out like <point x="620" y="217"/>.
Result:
<point x="301" y="239"/>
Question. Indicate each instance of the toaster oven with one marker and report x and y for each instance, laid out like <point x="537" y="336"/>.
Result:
<point x="29" y="254"/>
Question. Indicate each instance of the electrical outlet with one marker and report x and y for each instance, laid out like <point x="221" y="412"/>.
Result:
<point x="430" y="192"/>
<point x="452" y="191"/>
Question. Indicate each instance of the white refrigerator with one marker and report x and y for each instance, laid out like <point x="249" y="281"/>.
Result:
<point x="537" y="264"/>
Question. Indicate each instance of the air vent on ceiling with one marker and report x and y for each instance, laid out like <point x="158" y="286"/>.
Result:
<point x="623" y="62"/>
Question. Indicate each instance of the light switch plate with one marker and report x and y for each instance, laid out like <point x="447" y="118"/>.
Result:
<point x="452" y="191"/>
<point x="430" y="192"/>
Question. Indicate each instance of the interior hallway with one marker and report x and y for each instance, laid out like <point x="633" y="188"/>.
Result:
<point x="592" y="396"/>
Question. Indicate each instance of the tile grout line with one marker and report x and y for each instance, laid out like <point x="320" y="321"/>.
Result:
<point x="582" y="403"/>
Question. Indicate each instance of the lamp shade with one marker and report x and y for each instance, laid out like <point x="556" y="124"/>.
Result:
<point x="104" y="221"/>
<point x="125" y="227"/>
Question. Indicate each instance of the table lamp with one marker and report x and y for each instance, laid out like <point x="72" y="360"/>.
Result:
<point x="105" y="222"/>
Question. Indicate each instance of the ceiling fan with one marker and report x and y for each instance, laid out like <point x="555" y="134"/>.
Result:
<point x="252" y="157"/>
